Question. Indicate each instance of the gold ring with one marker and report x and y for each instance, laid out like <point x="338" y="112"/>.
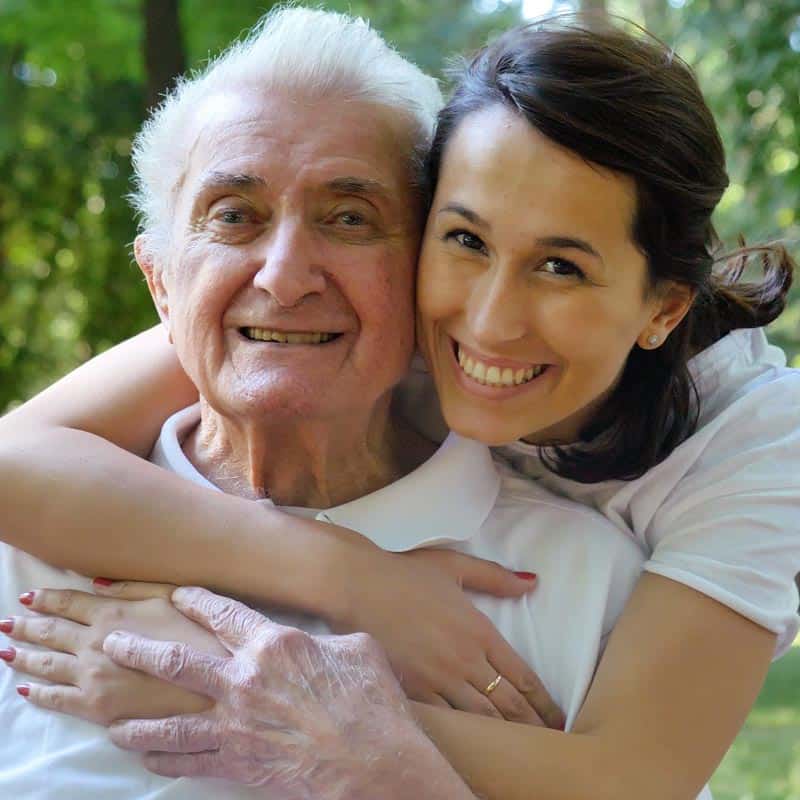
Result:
<point x="493" y="685"/>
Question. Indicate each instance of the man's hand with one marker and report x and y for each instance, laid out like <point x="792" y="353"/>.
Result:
<point x="298" y="715"/>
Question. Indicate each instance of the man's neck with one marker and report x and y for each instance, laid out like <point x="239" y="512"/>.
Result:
<point x="312" y="464"/>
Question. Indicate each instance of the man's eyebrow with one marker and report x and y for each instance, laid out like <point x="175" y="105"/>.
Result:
<point x="353" y="185"/>
<point x="232" y="180"/>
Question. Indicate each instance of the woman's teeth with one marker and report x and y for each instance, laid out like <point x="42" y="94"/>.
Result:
<point x="496" y="376"/>
<point x="263" y="335"/>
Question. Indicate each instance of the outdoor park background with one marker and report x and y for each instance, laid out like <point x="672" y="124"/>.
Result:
<point x="77" y="78"/>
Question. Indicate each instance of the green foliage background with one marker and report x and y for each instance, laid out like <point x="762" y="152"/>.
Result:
<point x="72" y="92"/>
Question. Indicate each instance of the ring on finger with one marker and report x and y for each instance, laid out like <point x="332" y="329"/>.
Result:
<point x="493" y="685"/>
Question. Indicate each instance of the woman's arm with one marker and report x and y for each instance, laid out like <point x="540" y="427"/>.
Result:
<point x="80" y="502"/>
<point x="673" y="689"/>
<point x="676" y="682"/>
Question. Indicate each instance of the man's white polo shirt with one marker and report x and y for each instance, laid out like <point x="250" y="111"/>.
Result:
<point x="460" y="499"/>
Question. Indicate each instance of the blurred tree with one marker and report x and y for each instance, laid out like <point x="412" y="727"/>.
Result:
<point x="75" y="81"/>
<point x="164" y="56"/>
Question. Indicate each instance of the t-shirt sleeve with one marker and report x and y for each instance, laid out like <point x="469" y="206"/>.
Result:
<point x="730" y="528"/>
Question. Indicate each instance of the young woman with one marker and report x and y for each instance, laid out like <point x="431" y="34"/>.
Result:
<point x="572" y="310"/>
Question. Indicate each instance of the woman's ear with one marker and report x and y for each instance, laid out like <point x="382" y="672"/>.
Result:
<point x="672" y="304"/>
<point x="153" y="270"/>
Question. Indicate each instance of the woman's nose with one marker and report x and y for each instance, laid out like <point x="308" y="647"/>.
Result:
<point x="497" y="308"/>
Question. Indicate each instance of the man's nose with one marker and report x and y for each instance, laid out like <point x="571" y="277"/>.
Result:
<point x="497" y="308"/>
<point x="291" y="268"/>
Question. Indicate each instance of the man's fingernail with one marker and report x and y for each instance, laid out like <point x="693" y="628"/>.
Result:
<point x="23" y="690"/>
<point x="9" y="654"/>
<point x="102" y="582"/>
<point x="27" y="598"/>
<point x="526" y="576"/>
<point x="6" y="625"/>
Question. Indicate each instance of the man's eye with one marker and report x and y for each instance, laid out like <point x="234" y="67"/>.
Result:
<point x="233" y="216"/>
<point x="562" y="266"/>
<point x="468" y="240"/>
<point x="351" y="219"/>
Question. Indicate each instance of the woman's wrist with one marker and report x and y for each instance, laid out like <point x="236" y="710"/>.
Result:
<point x="306" y="565"/>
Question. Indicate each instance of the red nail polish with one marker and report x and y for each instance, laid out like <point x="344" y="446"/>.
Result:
<point x="26" y="599"/>
<point x="526" y="576"/>
<point x="23" y="690"/>
<point x="8" y="655"/>
<point x="6" y="625"/>
<point x="102" y="582"/>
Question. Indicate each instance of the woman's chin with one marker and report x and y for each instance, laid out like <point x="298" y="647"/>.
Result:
<point x="491" y="432"/>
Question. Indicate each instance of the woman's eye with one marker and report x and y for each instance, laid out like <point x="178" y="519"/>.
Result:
<point x="561" y="266"/>
<point x="468" y="240"/>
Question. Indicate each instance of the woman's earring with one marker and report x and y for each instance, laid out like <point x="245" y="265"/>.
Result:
<point x="652" y="340"/>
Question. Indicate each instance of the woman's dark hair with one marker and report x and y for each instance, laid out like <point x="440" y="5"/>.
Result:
<point x="630" y="104"/>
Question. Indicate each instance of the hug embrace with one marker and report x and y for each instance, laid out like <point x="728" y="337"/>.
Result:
<point x="458" y="466"/>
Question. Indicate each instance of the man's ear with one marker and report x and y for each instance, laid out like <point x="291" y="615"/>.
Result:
<point x="153" y="270"/>
<point x="673" y="304"/>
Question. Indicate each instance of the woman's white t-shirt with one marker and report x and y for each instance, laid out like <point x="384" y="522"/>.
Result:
<point x="721" y="514"/>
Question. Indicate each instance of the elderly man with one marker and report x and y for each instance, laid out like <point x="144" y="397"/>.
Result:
<point x="279" y="242"/>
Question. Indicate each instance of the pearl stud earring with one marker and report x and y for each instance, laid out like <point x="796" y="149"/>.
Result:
<point x="652" y="340"/>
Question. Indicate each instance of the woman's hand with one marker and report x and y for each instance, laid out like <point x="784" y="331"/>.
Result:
<point x="84" y="682"/>
<point x="443" y="650"/>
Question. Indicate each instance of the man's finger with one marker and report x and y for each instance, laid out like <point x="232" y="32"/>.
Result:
<point x="234" y="623"/>
<point x="178" y="765"/>
<point x="174" y="662"/>
<point x="132" y="590"/>
<point x="190" y="733"/>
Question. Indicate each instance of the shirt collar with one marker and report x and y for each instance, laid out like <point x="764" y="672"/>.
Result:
<point x="445" y="499"/>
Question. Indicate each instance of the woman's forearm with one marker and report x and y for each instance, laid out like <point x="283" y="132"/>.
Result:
<point x="503" y="760"/>
<point x="100" y="511"/>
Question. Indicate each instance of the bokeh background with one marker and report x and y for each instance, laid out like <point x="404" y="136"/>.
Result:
<point x="77" y="77"/>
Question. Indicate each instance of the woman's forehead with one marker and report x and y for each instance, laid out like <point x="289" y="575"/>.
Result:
<point x="497" y="159"/>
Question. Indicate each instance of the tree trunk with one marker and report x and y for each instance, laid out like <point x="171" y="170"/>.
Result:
<point x="164" y="56"/>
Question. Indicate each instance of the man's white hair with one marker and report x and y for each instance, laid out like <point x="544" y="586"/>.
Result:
<point x="309" y="51"/>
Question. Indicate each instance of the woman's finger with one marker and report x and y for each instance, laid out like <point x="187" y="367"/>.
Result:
<point x="48" y="666"/>
<point x="516" y="673"/>
<point x="66" y="603"/>
<point x="64" y="699"/>
<point x="478" y="574"/>
<point x="51" y="632"/>
<point x="132" y="590"/>
<point x="506" y="699"/>
<point x="465" y="697"/>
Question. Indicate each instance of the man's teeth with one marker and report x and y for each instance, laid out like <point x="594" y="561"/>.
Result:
<point x="495" y="376"/>
<point x="263" y="335"/>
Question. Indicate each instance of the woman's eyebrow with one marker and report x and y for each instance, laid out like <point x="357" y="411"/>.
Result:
<point x="569" y="242"/>
<point x="467" y="213"/>
<point x="563" y="242"/>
